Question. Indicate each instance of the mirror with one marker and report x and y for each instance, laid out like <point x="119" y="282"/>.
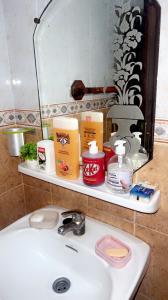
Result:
<point x="103" y="53"/>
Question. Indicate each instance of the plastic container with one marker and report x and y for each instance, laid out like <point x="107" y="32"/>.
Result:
<point x="66" y="143"/>
<point x="119" y="170"/>
<point x="91" y="128"/>
<point x="46" y="156"/>
<point x="93" y="165"/>
<point x="44" y="219"/>
<point x="109" y="152"/>
<point x="107" y="243"/>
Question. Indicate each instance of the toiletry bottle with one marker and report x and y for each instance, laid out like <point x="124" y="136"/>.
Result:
<point x="108" y="150"/>
<point x="119" y="170"/>
<point x="66" y="141"/>
<point x="138" y="154"/>
<point x="46" y="156"/>
<point x="93" y="165"/>
<point x="91" y="128"/>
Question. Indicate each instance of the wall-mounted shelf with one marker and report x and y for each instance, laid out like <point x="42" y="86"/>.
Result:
<point x="101" y="192"/>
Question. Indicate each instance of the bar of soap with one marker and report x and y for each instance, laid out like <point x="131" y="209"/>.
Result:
<point x="116" y="252"/>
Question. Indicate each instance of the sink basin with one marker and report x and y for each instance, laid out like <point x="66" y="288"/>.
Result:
<point x="41" y="264"/>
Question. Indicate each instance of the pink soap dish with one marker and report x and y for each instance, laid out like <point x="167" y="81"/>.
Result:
<point x="109" y="242"/>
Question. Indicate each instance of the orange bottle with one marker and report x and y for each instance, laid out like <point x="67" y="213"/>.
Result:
<point x="91" y="128"/>
<point x="66" y="143"/>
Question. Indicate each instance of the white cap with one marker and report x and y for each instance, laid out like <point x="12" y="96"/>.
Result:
<point x="93" y="149"/>
<point x="120" y="149"/>
<point x="137" y="134"/>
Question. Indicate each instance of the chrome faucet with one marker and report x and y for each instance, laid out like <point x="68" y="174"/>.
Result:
<point x="74" y="221"/>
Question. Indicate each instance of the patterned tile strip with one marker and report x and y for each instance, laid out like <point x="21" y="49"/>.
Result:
<point x="7" y="117"/>
<point x="28" y="117"/>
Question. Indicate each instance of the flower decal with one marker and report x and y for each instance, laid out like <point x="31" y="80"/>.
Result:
<point x="127" y="38"/>
<point x="121" y="78"/>
<point x="131" y="40"/>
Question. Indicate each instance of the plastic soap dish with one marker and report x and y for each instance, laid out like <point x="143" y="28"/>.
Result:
<point x="113" y="251"/>
<point x="44" y="219"/>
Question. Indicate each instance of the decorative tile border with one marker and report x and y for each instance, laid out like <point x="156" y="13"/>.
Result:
<point x="161" y="130"/>
<point x="28" y="117"/>
<point x="7" y="117"/>
<point x="20" y="117"/>
<point x="54" y="110"/>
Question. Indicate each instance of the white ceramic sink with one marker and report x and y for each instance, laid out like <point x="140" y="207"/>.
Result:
<point x="32" y="259"/>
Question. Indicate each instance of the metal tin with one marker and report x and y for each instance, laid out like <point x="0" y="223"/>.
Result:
<point x="15" y="138"/>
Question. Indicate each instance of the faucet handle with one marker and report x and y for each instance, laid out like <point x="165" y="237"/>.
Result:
<point x="77" y="216"/>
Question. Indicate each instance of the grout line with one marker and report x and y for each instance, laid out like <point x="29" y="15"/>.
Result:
<point x="11" y="189"/>
<point x="151" y="229"/>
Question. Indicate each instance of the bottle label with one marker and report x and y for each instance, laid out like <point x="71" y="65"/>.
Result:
<point x="93" y="171"/>
<point x="120" y="180"/>
<point x="41" y="157"/>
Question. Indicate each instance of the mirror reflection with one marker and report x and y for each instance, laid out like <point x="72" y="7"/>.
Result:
<point x="101" y="55"/>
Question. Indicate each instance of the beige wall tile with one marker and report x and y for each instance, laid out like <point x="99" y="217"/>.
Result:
<point x="111" y="209"/>
<point x="36" y="198"/>
<point x="157" y="173"/>
<point x="9" y="176"/>
<point x="12" y="206"/>
<point x="110" y="219"/>
<point x="34" y="182"/>
<point x="69" y="199"/>
<point x="155" y="284"/>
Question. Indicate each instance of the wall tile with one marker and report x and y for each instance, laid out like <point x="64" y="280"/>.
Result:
<point x="12" y="206"/>
<point x="69" y="199"/>
<point x="111" y="209"/>
<point x="156" y="172"/>
<point x="36" y="198"/>
<point x="110" y="219"/>
<point x="36" y="183"/>
<point x="154" y="284"/>
<point x="9" y="176"/>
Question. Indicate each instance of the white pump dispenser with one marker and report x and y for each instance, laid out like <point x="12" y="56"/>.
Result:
<point x="93" y="149"/>
<point x="119" y="170"/>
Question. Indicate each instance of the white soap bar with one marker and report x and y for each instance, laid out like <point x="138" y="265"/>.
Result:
<point x="37" y="218"/>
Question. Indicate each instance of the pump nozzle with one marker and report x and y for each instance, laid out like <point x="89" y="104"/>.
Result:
<point x="120" y="149"/>
<point x="93" y="149"/>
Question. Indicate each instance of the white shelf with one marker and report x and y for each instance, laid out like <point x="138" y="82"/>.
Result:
<point x="101" y="192"/>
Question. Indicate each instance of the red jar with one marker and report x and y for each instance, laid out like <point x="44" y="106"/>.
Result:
<point x="93" y="168"/>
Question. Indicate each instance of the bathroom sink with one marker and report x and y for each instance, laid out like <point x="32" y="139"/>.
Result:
<point x="41" y="264"/>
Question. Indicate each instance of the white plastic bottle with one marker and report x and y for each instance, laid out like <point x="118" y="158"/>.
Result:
<point x="46" y="156"/>
<point x="119" y="170"/>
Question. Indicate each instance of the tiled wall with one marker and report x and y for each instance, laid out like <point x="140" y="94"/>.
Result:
<point x="12" y="205"/>
<point x="151" y="228"/>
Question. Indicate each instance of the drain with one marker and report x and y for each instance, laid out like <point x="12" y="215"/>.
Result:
<point x="61" y="285"/>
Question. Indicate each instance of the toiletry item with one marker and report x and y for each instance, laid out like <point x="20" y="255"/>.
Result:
<point x="113" y="251"/>
<point x="46" y="156"/>
<point x="44" y="219"/>
<point x="138" y="154"/>
<point x="109" y="152"/>
<point x="93" y="165"/>
<point x="66" y="141"/>
<point x="116" y="252"/>
<point x="140" y="190"/>
<point x="119" y="170"/>
<point x="91" y="128"/>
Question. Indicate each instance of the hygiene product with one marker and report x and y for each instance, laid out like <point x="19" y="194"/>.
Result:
<point x="138" y="154"/>
<point x="66" y="141"/>
<point x="93" y="165"/>
<point x="119" y="170"/>
<point x="45" y="156"/>
<point x="91" y="128"/>
<point x="109" y="151"/>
